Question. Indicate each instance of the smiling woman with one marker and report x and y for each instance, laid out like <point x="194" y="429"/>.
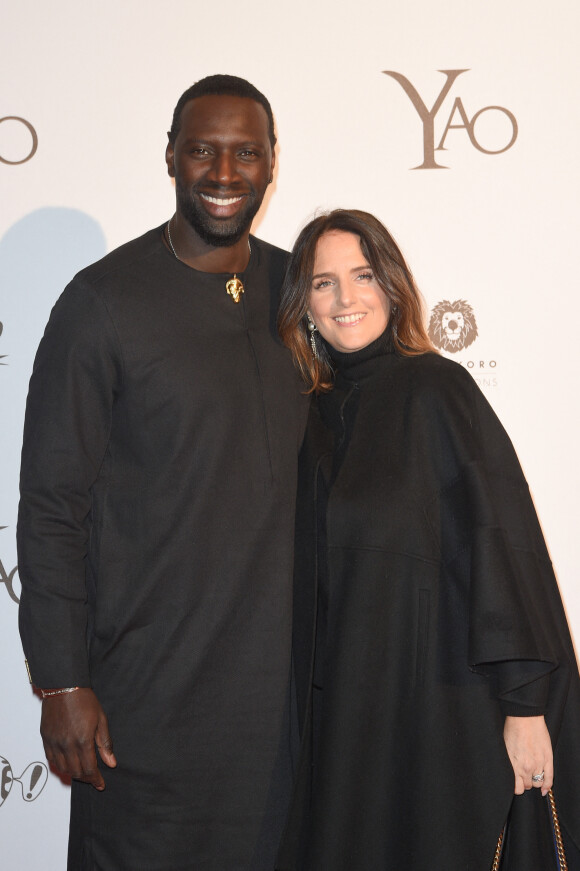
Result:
<point x="435" y="673"/>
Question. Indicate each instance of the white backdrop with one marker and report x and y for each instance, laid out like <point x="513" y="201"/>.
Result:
<point x="97" y="82"/>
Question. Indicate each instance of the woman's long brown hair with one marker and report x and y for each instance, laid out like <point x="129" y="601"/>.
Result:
<point x="391" y="272"/>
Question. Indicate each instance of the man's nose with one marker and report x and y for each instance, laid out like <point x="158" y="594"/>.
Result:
<point x="223" y="168"/>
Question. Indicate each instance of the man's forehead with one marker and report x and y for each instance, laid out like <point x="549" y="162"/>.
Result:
<point x="213" y="111"/>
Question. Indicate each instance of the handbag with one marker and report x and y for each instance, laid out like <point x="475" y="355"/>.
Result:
<point x="555" y="837"/>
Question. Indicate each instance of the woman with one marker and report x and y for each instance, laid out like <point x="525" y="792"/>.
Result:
<point x="434" y="665"/>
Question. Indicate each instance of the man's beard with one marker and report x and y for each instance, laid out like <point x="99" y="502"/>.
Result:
<point x="215" y="232"/>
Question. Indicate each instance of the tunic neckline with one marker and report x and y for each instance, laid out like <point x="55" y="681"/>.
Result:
<point x="201" y="273"/>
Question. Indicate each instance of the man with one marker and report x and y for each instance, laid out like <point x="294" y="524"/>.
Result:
<point x="156" y="519"/>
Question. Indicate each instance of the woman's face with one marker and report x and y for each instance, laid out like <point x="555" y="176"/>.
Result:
<point x="346" y="303"/>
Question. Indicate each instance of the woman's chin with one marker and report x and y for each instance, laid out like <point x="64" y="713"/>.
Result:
<point x="348" y="344"/>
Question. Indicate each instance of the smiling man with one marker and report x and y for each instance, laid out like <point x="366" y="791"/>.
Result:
<point x="156" y="519"/>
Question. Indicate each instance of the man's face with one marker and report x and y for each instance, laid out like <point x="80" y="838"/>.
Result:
<point x="222" y="161"/>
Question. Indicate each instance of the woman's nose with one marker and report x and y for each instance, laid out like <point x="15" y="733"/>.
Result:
<point x="344" y="293"/>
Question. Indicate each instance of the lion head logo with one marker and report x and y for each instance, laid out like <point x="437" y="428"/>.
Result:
<point x="452" y="326"/>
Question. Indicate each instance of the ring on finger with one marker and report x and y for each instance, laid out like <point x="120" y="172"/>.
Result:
<point x="538" y="778"/>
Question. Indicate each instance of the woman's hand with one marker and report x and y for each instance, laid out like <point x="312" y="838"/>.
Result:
<point x="529" y="748"/>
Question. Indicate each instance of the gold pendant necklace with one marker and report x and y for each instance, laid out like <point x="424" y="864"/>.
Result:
<point x="234" y="287"/>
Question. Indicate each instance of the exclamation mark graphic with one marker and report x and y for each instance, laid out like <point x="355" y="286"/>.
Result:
<point x="34" y="778"/>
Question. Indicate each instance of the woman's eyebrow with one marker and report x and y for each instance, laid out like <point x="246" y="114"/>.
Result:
<point x="332" y="274"/>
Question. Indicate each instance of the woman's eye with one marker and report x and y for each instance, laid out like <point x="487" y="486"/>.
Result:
<point x="322" y="283"/>
<point x="366" y="276"/>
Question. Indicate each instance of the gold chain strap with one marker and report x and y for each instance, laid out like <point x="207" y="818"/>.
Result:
<point x="557" y="833"/>
<point x="497" y="854"/>
<point x="563" y="865"/>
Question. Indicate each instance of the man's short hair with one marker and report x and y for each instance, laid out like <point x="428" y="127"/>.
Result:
<point x="222" y="86"/>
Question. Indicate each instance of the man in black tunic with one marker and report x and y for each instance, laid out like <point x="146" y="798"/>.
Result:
<point x="156" y="519"/>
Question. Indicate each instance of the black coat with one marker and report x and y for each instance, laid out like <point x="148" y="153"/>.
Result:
<point x="442" y="611"/>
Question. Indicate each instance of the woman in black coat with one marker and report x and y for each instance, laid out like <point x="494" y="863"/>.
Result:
<point x="435" y="672"/>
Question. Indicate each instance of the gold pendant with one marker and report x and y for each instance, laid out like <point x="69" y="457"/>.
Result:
<point x="235" y="288"/>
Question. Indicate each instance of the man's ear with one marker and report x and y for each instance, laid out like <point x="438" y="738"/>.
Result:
<point x="169" y="157"/>
<point x="272" y="165"/>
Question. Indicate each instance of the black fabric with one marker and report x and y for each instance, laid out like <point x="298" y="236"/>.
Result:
<point x="442" y="606"/>
<point x="529" y="840"/>
<point x="156" y="547"/>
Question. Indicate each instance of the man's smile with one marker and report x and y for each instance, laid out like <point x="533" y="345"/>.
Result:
<point x="221" y="201"/>
<point x="222" y="207"/>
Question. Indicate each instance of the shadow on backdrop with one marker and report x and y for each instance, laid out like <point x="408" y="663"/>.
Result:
<point x="38" y="257"/>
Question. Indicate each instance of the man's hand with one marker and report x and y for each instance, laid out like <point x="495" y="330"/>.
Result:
<point x="529" y="748"/>
<point x="72" y="724"/>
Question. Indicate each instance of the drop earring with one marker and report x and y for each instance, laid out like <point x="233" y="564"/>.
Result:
<point x="313" y="329"/>
<point x="394" y="319"/>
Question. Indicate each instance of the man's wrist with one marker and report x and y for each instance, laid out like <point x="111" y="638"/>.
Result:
<point x="59" y="691"/>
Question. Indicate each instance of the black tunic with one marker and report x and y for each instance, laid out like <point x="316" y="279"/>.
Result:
<point x="440" y="612"/>
<point x="155" y="547"/>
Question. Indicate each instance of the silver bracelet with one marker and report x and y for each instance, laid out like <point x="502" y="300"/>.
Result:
<point x="46" y="693"/>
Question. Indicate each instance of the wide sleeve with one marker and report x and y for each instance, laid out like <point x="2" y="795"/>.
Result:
<point x="517" y="629"/>
<point x="499" y="577"/>
<point x="75" y="382"/>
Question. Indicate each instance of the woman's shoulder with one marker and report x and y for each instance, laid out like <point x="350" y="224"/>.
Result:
<point x="442" y="392"/>
<point x="434" y="374"/>
<point x="445" y="392"/>
<point x="435" y="365"/>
